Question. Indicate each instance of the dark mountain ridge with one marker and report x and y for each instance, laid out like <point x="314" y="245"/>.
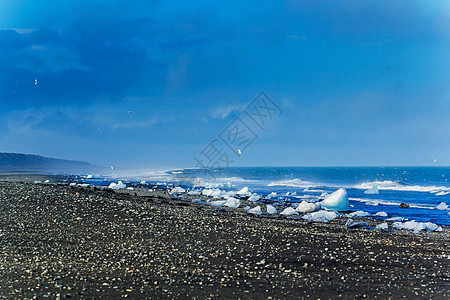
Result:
<point x="17" y="162"/>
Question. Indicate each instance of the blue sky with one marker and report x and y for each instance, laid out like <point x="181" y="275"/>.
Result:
<point x="148" y="84"/>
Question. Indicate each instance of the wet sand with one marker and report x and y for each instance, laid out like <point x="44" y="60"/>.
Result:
<point x="60" y="242"/>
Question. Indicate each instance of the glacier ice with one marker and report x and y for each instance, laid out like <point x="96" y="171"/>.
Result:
<point x="380" y="214"/>
<point x="244" y="192"/>
<point x="305" y="206"/>
<point x="382" y="227"/>
<point x="352" y="224"/>
<point x="271" y="209"/>
<point x="255" y="210"/>
<point x="272" y="195"/>
<point x="217" y="203"/>
<point x="358" y="213"/>
<point x="232" y="202"/>
<point x="254" y="197"/>
<point x="117" y="186"/>
<point x="177" y="190"/>
<point x="395" y="219"/>
<point x="336" y="201"/>
<point x="442" y="206"/>
<point x="320" y="216"/>
<point x="372" y="191"/>
<point x="417" y="226"/>
<point x="289" y="211"/>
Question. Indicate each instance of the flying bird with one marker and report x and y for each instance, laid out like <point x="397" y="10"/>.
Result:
<point x="239" y="151"/>
<point x="35" y="81"/>
<point x="112" y="168"/>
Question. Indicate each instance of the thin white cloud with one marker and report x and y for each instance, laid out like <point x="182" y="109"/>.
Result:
<point x="21" y="30"/>
<point x="224" y="111"/>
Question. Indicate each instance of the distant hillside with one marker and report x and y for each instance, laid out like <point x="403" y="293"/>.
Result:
<point x="15" y="162"/>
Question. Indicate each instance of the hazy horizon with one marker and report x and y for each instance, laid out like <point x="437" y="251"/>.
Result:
<point x="152" y="85"/>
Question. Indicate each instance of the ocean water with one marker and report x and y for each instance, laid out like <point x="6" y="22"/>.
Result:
<point x="424" y="188"/>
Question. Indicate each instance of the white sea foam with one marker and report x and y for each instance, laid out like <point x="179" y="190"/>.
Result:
<point x="298" y="183"/>
<point x="398" y="186"/>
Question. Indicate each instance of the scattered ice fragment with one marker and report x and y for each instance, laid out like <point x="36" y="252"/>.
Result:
<point x="244" y="192"/>
<point x="47" y="181"/>
<point x="307" y="207"/>
<point x="130" y="188"/>
<point x="352" y="224"/>
<point x="395" y="219"/>
<point x="37" y="181"/>
<point x="382" y="227"/>
<point x="417" y="226"/>
<point x="247" y="208"/>
<point x="380" y="214"/>
<point x="358" y="213"/>
<point x="89" y="176"/>
<point x="217" y="203"/>
<point x="271" y="209"/>
<point x="372" y="191"/>
<point x="177" y="190"/>
<point x="143" y="182"/>
<point x="255" y="210"/>
<point x="194" y="192"/>
<point x="320" y="216"/>
<point x="72" y="184"/>
<point x="254" y="197"/>
<point x="442" y="206"/>
<point x="289" y="211"/>
<point x="272" y="195"/>
<point x="232" y="202"/>
<point x="337" y="201"/>
<point x="117" y="186"/>
<point x="83" y="185"/>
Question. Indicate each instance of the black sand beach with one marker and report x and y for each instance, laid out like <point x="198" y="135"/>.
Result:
<point x="58" y="241"/>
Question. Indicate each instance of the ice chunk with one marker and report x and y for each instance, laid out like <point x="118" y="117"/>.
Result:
<point x="37" y="181"/>
<point x="217" y="203"/>
<point x="232" y="202"/>
<point x="255" y="210"/>
<point x="83" y="185"/>
<point x="352" y="224"/>
<point x="194" y="193"/>
<point x="47" y="181"/>
<point x="254" y="197"/>
<point x="307" y="207"/>
<point x="289" y="211"/>
<point x="320" y="216"/>
<point x="380" y="214"/>
<point x="72" y="184"/>
<point x="271" y="209"/>
<point x="382" y="227"/>
<point x="143" y="182"/>
<point x="247" y="208"/>
<point x="395" y="219"/>
<point x="117" y="186"/>
<point x="89" y="176"/>
<point x="337" y="201"/>
<point x="442" y="206"/>
<point x="215" y="193"/>
<point x="372" y="191"/>
<point x="177" y="190"/>
<point x="244" y="192"/>
<point x="417" y="226"/>
<point x="130" y="188"/>
<point x="358" y="213"/>
<point x="272" y="195"/>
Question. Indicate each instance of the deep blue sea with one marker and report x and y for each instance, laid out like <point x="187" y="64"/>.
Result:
<point x="424" y="188"/>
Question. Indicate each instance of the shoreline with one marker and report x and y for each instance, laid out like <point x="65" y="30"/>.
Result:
<point x="94" y="242"/>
